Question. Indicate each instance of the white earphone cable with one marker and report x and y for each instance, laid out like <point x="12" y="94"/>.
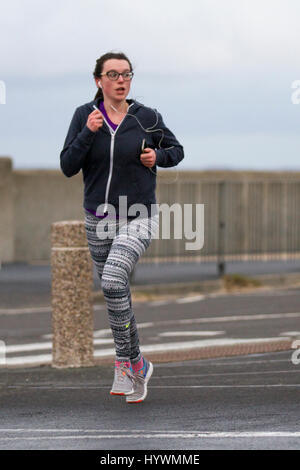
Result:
<point x="148" y="129"/>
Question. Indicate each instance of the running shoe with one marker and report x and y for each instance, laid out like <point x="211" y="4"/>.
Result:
<point x="123" y="380"/>
<point x="141" y="378"/>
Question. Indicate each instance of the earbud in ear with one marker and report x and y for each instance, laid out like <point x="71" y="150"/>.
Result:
<point x="99" y="83"/>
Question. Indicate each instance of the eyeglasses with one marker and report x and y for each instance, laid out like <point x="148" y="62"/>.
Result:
<point x="113" y="75"/>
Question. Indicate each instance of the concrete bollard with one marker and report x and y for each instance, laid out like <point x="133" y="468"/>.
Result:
<point x="72" y="308"/>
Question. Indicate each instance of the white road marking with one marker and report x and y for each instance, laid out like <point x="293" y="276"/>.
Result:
<point x="16" y="311"/>
<point x="53" y="388"/>
<point x="229" y="318"/>
<point x="103" y="341"/>
<point x="156" y="434"/>
<point x="107" y="331"/>
<point x="261" y="292"/>
<point x="290" y="333"/>
<point x="47" y="345"/>
<point x="191" y="333"/>
<point x="226" y="386"/>
<point x="236" y="363"/>
<point x="146" y="324"/>
<point x="186" y="300"/>
<point x="99" y="307"/>
<point x="197" y="344"/>
<point x="157" y="303"/>
<point x="270" y="292"/>
<point x="38" y="359"/>
<point x="217" y="319"/>
<point x="28" y="347"/>
<point x="157" y="377"/>
<point x="227" y="374"/>
<point x="100" y="333"/>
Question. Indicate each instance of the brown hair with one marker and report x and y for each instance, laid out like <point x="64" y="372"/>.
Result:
<point x="99" y="67"/>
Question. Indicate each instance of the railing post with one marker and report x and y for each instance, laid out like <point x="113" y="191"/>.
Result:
<point x="72" y="308"/>
<point x="221" y="227"/>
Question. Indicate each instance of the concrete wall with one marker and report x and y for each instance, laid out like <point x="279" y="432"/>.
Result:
<point x="7" y="207"/>
<point x="261" y="210"/>
<point x="43" y="197"/>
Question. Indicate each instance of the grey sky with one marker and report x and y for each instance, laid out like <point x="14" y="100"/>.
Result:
<point x="219" y="72"/>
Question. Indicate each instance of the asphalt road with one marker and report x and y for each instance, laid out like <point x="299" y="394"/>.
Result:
<point x="190" y="321"/>
<point x="23" y="284"/>
<point x="241" y="402"/>
<point x="245" y="402"/>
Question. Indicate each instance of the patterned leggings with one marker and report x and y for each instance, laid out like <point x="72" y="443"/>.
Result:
<point x="115" y="247"/>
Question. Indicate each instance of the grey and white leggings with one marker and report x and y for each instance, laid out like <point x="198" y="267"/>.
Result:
<point x="115" y="246"/>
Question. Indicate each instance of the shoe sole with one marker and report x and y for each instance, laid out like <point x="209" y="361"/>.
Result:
<point x="147" y="378"/>
<point x="122" y="393"/>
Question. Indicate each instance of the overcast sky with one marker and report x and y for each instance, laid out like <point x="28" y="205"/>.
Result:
<point x="220" y="72"/>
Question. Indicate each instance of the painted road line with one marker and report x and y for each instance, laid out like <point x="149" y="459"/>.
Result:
<point x="230" y="318"/>
<point x="262" y="292"/>
<point x="228" y="386"/>
<point x="53" y="388"/>
<point x="101" y="333"/>
<point x="99" y="307"/>
<point x="191" y="333"/>
<point x="225" y="374"/>
<point x="16" y="311"/>
<point x="47" y="345"/>
<point x="195" y="298"/>
<point x="155" y="377"/>
<point x="154" y="431"/>
<point x="217" y="319"/>
<point x="106" y="331"/>
<point x="22" y="360"/>
<point x="30" y="310"/>
<point x="96" y="334"/>
<point x="97" y="434"/>
<point x="290" y="333"/>
<point x="158" y="303"/>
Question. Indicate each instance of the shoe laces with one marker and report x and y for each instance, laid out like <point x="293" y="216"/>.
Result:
<point x="140" y="374"/>
<point x="123" y="371"/>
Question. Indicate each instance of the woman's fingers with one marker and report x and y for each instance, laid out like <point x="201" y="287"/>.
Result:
<point x="95" y="120"/>
<point x="148" y="157"/>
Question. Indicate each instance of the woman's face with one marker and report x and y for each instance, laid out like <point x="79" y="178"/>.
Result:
<point x="110" y="87"/>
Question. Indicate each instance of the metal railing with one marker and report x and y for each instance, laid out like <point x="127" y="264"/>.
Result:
<point x="243" y="220"/>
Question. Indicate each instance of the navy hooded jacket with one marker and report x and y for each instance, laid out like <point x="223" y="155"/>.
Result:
<point x="110" y="160"/>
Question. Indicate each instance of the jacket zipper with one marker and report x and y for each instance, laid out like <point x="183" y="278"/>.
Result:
<point x="112" y="146"/>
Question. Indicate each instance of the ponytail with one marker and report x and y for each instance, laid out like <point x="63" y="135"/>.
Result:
<point x="99" y="94"/>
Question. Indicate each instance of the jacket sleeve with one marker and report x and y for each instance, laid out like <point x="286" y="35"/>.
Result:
<point x="76" y="146"/>
<point x="170" y="151"/>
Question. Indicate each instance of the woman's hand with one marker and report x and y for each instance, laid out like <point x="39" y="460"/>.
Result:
<point x="95" y="121"/>
<point x="148" y="157"/>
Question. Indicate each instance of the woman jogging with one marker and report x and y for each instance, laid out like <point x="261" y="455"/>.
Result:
<point x="118" y="144"/>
